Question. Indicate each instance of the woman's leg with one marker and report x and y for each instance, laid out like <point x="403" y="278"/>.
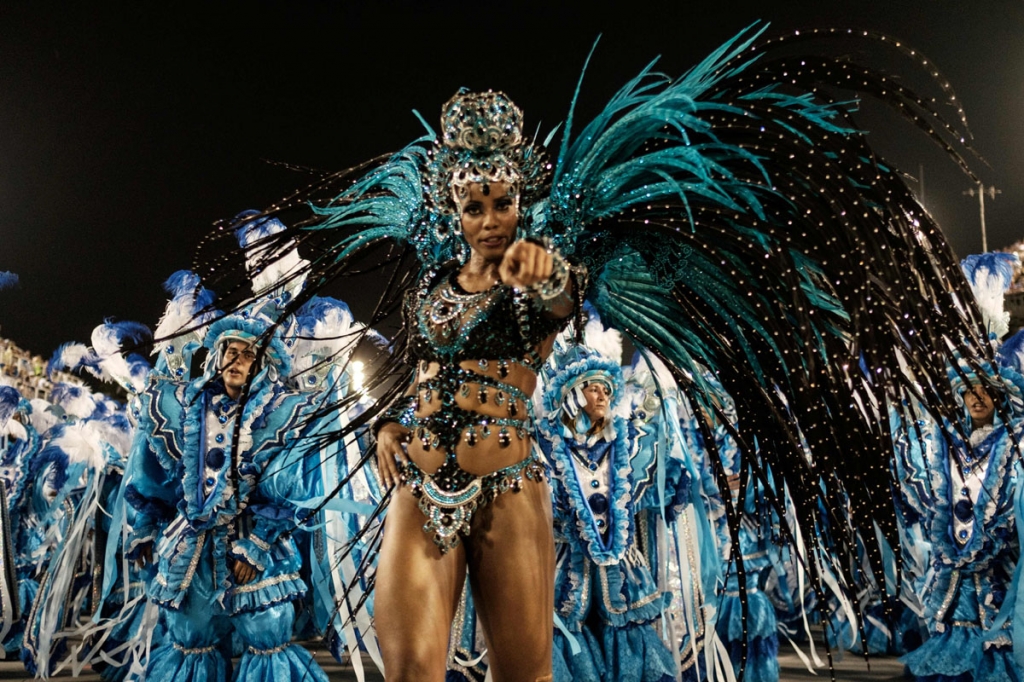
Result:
<point x="416" y="595"/>
<point x="511" y="559"/>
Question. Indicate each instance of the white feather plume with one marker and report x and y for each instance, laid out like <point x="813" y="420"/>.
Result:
<point x="104" y="341"/>
<point x="607" y="342"/>
<point x="73" y="354"/>
<point x="179" y="314"/>
<point x="83" y="443"/>
<point x="276" y="271"/>
<point x="333" y="336"/>
<point x="14" y="429"/>
<point x="77" y="403"/>
<point x="990" y="274"/>
<point x="42" y="418"/>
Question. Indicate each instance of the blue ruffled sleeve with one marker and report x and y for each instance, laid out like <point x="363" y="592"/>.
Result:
<point x="279" y="503"/>
<point x="149" y="490"/>
<point x="913" y="444"/>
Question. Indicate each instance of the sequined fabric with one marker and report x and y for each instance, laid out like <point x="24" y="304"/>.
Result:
<point x="496" y="328"/>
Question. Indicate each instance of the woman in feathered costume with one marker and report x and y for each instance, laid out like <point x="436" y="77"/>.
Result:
<point x="733" y="218"/>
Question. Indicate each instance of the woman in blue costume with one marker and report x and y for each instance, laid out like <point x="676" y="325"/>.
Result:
<point x="733" y="218"/>
<point x="604" y="489"/>
<point x="214" y="476"/>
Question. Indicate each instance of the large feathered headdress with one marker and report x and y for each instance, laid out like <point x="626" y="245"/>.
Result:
<point x="573" y="367"/>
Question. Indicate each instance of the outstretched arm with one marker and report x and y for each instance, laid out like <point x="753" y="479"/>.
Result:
<point x="543" y="273"/>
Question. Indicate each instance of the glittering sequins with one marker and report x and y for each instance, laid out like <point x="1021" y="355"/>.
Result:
<point x="450" y="496"/>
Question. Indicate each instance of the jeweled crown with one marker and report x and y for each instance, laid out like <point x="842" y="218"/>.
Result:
<point x="481" y="122"/>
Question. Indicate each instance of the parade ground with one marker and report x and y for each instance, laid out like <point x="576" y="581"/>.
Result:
<point x="850" y="669"/>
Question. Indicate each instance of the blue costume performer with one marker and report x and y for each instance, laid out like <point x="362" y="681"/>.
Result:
<point x="213" y="478"/>
<point x="90" y="545"/>
<point x="91" y="445"/>
<point x="40" y="468"/>
<point x="960" y="480"/>
<point x="751" y="633"/>
<point x="19" y="443"/>
<point x="605" y="501"/>
<point x="733" y="219"/>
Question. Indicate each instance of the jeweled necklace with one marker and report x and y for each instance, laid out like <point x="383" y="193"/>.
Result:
<point x="450" y="304"/>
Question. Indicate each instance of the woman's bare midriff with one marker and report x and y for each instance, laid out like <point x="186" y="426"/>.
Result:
<point x="486" y="456"/>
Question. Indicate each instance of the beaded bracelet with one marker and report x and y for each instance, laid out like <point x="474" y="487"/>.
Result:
<point x="556" y="282"/>
<point x="400" y="412"/>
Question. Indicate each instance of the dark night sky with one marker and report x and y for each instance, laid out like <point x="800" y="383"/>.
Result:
<point x="126" y="129"/>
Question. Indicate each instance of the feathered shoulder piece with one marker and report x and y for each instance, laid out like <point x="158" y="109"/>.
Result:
<point x="990" y="275"/>
<point x="181" y="327"/>
<point x="110" y="358"/>
<point x="324" y="337"/>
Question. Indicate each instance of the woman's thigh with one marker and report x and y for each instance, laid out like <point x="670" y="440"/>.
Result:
<point x="511" y="557"/>
<point x="416" y="594"/>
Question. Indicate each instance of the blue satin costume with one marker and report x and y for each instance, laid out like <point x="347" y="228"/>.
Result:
<point x="180" y="484"/>
<point x="605" y="501"/>
<point x="972" y="530"/>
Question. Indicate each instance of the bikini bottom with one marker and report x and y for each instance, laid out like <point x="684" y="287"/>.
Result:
<point x="450" y="496"/>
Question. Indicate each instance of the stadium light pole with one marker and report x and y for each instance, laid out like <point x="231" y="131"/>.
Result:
<point x="980" y="191"/>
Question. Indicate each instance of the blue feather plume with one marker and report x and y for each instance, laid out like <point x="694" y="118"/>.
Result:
<point x="8" y="280"/>
<point x="995" y="263"/>
<point x="129" y="333"/>
<point x="9" y="400"/>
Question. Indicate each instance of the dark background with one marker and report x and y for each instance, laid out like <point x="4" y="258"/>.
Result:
<point x="126" y="129"/>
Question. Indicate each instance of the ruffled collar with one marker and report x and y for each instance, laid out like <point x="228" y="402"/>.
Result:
<point x="220" y="506"/>
<point x="610" y="551"/>
<point x="991" y="510"/>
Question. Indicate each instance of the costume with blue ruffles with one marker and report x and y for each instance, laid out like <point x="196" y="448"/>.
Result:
<point x="972" y="531"/>
<point x="605" y="502"/>
<point x="605" y="592"/>
<point x="28" y="510"/>
<point x="760" y="645"/>
<point x="187" y="504"/>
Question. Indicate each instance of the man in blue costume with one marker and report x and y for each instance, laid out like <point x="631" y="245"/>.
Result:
<point x="967" y="513"/>
<point x="213" y="478"/>
<point x="960" y="483"/>
<point x="605" y="504"/>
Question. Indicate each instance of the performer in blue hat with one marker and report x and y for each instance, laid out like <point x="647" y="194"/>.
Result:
<point x="215" y="468"/>
<point x="959" y="480"/>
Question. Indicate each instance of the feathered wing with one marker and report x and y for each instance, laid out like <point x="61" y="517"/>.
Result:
<point x="736" y="219"/>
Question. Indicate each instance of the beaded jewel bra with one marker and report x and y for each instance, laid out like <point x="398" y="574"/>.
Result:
<point x="496" y="327"/>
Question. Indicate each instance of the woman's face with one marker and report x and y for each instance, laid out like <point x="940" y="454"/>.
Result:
<point x="489" y="217"/>
<point x="980" y="406"/>
<point x="598" y="399"/>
